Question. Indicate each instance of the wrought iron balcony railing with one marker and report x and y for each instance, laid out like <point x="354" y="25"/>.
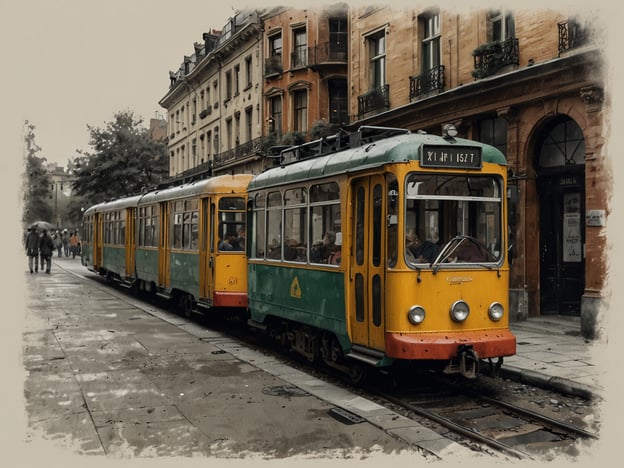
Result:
<point x="571" y="35"/>
<point x="328" y="53"/>
<point x="431" y="80"/>
<point x="491" y="57"/>
<point x="273" y="65"/>
<point x="240" y="151"/>
<point x="374" y="101"/>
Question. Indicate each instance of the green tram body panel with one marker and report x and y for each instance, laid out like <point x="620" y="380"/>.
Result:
<point x="304" y="295"/>
<point x="184" y="272"/>
<point x="114" y="259"/>
<point x="147" y="264"/>
<point x="86" y="255"/>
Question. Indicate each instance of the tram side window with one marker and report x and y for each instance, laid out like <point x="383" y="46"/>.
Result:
<point x="259" y="243"/>
<point x="295" y="220"/>
<point x="185" y="224"/>
<point x="274" y="226"/>
<point x="231" y="230"/>
<point x="325" y="224"/>
<point x="148" y="226"/>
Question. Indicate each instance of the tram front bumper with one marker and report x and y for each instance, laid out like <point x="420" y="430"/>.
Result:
<point x="443" y="346"/>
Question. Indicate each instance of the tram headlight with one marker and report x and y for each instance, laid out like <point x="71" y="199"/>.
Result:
<point x="496" y="311"/>
<point x="460" y="311"/>
<point x="416" y="314"/>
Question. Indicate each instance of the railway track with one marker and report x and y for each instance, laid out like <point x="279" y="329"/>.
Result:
<point x="470" y="417"/>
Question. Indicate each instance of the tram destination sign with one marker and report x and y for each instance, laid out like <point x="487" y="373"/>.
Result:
<point x="462" y="157"/>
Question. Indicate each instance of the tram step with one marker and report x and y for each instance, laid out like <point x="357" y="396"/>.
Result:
<point x="370" y="356"/>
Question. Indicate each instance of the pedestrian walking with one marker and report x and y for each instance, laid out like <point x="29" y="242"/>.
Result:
<point x="65" y="239"/>
<point x="58" y="243"/>
<point x="73" y="244"/>
<point x="46" y="247"/>
<point x="32" y="249"/>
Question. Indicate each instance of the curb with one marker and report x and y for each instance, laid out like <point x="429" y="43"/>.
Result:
<point x="559" y="384"/>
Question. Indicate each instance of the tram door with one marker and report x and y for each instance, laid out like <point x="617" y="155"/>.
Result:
<point x="163" y="246"/>
<point x="206" y="260"/>
<point x="130" y="241"/>
<point x="97" y="240"/>
<point x="367" y="263"/>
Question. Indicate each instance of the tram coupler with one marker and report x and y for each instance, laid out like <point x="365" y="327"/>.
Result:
<point x="466" y="363"/>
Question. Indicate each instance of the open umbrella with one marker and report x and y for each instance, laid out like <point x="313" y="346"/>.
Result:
<point x="41" y="225"/>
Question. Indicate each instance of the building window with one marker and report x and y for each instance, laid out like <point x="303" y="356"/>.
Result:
<point x="300" y="101"/>
<point x="275" y="45"/>
<point x="300" y="48"/>
<point x="338" y="35"/>
<point x="275" y="104"/>
<point x="377" y="60"/>
<point x="431" y="41"/>
<point x="563" y="145"/>
<point x="501" y="24"/>
<point x="228" y="85"/>
<point x="228" y="133"/>
<point x="494" y="132"/>
<point x="248" y="123"/>
<point x="248" y="73"/>
<point x="338" y="102"/>
<point x="236" y="80"/>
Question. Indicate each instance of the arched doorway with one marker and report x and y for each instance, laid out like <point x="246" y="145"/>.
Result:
<point x="560" y="167"/>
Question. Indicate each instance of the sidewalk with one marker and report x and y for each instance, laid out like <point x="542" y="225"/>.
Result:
<point x="111" y="375"/>
<point x="551" y="353"/>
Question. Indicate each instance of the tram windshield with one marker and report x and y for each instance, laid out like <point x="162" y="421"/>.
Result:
<point x="453" y="218"/>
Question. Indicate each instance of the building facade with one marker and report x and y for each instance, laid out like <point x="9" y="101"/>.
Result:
<point x="305" y="72"/>
<point x="214" y="103"/>
<point x="530" y="83"/>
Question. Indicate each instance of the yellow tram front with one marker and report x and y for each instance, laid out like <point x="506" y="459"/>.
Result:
<point x="428" y="277"/>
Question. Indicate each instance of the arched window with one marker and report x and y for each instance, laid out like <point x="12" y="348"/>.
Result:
<point x="563" y="145"/>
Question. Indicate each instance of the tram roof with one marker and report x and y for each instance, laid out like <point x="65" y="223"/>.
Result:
<point x="398" y="148"/>
<point x="223" y="184"/>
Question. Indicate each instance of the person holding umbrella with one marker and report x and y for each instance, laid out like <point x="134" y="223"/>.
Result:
<point x="32" y="249"/>
<point x="46" y="247"/>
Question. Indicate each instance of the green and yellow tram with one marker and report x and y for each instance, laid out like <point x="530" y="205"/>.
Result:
<point x="185" y="243"/>
<point x="388" y="248"/>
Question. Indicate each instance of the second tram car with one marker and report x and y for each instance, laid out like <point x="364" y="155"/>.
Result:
<point x="392" y="250"/>
<point x="186" y="243"/>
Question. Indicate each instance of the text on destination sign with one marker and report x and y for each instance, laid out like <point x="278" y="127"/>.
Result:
<point x="450" y="156"/>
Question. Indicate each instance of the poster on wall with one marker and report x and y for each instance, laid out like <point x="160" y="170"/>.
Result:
<point x="572" y="245"/>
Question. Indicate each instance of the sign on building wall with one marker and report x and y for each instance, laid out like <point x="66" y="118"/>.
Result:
<point x="572" y="240"/>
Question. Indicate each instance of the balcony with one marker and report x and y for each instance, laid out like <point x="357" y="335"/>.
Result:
<point x="328" y="54"/>
<point x="431" y="80"/>
<point x="491" y="57"/>
<point x="240" y="151"/>
<point x="373" y="102"/>
<point x="571" y="35"/>
<point x="273" y="65"/>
